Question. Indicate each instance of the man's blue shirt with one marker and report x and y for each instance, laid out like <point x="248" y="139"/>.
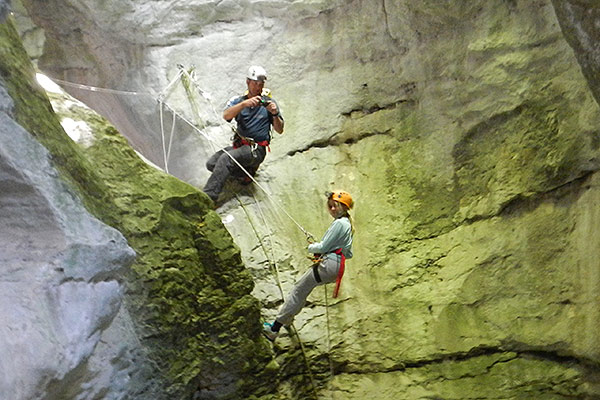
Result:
<point x="253" y="122"/>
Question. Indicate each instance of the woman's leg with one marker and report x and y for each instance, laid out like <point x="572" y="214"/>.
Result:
<point x="297" y="297"/>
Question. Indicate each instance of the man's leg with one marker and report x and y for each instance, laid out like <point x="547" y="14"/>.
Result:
<point x="250" y="165"/>
<point x="212" y="161"/>
<point x="223" y="168"/>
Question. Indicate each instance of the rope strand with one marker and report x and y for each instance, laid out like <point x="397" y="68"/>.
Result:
<point x="99" y="89"/>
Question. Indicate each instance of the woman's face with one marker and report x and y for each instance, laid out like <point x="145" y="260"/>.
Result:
<point x="335" y="209"/>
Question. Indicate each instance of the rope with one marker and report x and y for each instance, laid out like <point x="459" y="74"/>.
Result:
<point x="199" y="89"/>
<point x="162" y="95"/>
<point x="160" y="98"/>
<point x="186" y="81"/>
<point x="167" y="150"/>
<point x="269" y="196"/>
<point x="278" y="281"/>
<point x="331" y="372"/>
<point x="310" y="375"/>
<point x="99" y="89"/>
<point x="171" y="139"/>
<point x="166" y="155"/>
<point x="167" y="88"/>
<point x="272" y="260"/>
<point x="162" y="135"/>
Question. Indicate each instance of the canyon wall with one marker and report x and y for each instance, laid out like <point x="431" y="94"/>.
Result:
<point x="468" y="135"/>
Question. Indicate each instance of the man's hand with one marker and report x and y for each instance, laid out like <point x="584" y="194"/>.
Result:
<point x="272" y="108"/>
<point x="231" y="112"/>
<point x="252" y="101"/>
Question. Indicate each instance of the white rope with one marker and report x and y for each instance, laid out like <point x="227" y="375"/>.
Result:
<point x="162" y="135"/>
<point x="202" y="92"/>
<point x="272" y="260"/>
<point x="160" y="98"/>
<point x="331" y="372"/>
<point x="99" y="89"/>
<point x="171" y="138"/>
<point x="269" y="195"/>
<point x="162" y="95"/>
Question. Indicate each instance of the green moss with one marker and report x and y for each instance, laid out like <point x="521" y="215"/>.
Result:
<point x="188" y="290"/>
<point x="192" y="290"/>
<point x="517" y="153"/>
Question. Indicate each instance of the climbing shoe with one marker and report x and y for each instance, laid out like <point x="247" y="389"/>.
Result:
<point x="269" y="334"/>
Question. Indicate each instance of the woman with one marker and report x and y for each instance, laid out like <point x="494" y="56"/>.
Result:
<point x="333" y="249"/>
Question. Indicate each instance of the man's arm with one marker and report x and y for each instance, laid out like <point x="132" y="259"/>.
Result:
<point x="277" y="120"/>
<point x="232" y="112"/>
<point x="278" y="124"/>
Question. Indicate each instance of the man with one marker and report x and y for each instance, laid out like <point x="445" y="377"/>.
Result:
<point x="255" y="112"/>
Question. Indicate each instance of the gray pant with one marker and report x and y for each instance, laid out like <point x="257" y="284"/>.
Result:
<point x="328" y="270"/>
<point x="222" y="166"/>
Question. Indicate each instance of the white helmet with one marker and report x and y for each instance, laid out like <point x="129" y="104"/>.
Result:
<point x="257" y="73"/>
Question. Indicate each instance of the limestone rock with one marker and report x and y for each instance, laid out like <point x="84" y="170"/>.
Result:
<point x="60" y="277"/>
<point x="466" y="131"/>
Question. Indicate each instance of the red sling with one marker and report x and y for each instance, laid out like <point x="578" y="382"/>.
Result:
<point x="340" y="274"/>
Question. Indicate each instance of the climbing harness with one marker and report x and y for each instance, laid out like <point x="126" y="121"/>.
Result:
<point x="239" y="141"/>
<point x="318" y="258"/>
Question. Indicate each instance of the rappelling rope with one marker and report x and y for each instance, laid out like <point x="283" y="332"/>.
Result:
<point x="166" y="154"/>
<point x="261" y="187"/>
<point x="160" y="99"/>
<point x="272" y="259"/>
<point x="328" y="332"/>
<point x="272" y="262"/>
<point x="99" y="89"/>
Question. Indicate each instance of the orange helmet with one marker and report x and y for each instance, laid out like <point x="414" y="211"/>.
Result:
<point x="341" y="197"/>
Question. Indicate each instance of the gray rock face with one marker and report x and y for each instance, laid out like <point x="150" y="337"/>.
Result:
<point x="468" y="135"/>
<point x="579" y="21"/>
<point x="59" y="287"/>
<point x="4" y="7"/>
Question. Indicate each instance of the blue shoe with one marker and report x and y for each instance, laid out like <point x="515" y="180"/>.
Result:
<point x="268" y="332"/>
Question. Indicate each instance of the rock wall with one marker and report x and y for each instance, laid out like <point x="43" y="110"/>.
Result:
<point x="468" y="134"/>
<point x="81" y="318"/>
<point x="61" y="268"/>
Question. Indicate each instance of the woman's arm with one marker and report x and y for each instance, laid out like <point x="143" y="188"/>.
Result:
<point x="332" y="240"/>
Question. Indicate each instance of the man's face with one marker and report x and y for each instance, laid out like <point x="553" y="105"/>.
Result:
<point x="254" y="87"/>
